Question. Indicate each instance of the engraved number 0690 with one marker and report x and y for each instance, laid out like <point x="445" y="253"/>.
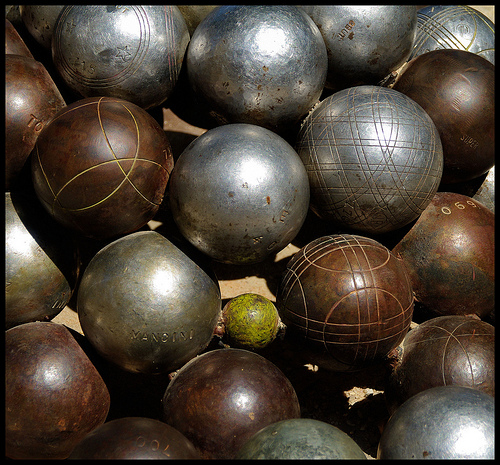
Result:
<point x="459" y="205"/>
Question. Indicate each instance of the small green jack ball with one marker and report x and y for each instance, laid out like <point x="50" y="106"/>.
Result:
<point x="250" y="321"/>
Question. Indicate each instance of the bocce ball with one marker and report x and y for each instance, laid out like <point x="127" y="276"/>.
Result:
<point x="258" y="64"/>
<point x="457" y="89"/>
<point x="101" y="167"/>
<point x="41" y="262"/>
<point x="449" y="254"/>
<point x="131" y="52"/>
<point x="346" y="299"/>
<point x="249" y="321"/>
<point x="219" y="399"/>
<point x="54" y="394"/>
<point x="373" y="157"/>
<point x="444" y="422"/>
<point x="31" y="101"/>
<point x="300" y="439"/>
<point x="458" y="27"/>
<point x="14" y="44"/>
<point x="239" y="193"/>
<point x="134" y="438"/>
<point x="365" y="43"/>
<point x="40" y="21"/>
<point x="145" y="305"/>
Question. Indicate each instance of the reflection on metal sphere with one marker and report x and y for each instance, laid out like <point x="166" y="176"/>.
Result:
<point x="373" y="156"/>
<point x="300" y="439"/>
<point x="145" y="305"/>
<point x="258" y="64"/>
<point x="458" y="27"/>
<point x="132" y="52"/>
<point x="364" y="43"/>
<point x="239" y="193"/>
<point x="348" y="299"/>
<point x="445" y="422"/>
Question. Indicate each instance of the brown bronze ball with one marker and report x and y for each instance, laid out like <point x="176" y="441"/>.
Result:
<point x="457" y="89"/>
<point x="219" y="399"/>
<point x="31" y="100"/>
<point x="450" y="256"/>
<point x="14" y="44"/>
<point x="443" y="351"/>
<point x="134" y="438"/>
<point x="101" y="167"/>
<point x="54" y="394"/>
<point x="347" y="299"/>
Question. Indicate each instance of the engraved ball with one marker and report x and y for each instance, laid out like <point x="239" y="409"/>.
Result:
<point x="457" y="89"/>
<point x="443" y="422"/>
<point x="442" y="351"/>
<point x="450" y="256"/>
<point x="347" y="300"/>
<point x="101" y="167"/>
<point x="257" y="64"/>
<point x="239" y="193"/>
<point x="219" y="399"/>
<point x="365" y="43"/>
<point x="132" y="52"/>
<point x="373" y="157"/>
<point x="145" y="305"/>
<point x="458" y="27"/>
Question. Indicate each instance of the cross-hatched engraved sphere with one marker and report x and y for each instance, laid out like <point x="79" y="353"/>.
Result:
<point x="444" y="422"/>
<point x="458" y="27"/>
<point x="145" y="305"/>
<point x="101" y="167"/>
<point x="365" y="43"/>
<point x="239" y="193"/>
<point x="373" y="156"/>
<point x="347" y="298"/>
<point x="258" y="64"/>
<point x="133" y="52"/>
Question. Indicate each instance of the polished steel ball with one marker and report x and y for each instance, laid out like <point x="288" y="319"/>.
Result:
<point x="458" y="27"/>
<point x="239" y="193"/>
<point x="194" y="14"/>
<point x="133" y="52"/>
<point x="445" y="422"/>
<point x="347" y="300"/>
<point x="145" y="305"/>
<point x="373" y="156"/>
<point x="300" y="439"/>
<point x="258" y="64"/>
<point x="41" y="262"/>
<point x="40" y="21"/>
<point x="365" y="43"/>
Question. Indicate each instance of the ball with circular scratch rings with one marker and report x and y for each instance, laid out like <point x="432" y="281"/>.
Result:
<point x="101" y="167"/>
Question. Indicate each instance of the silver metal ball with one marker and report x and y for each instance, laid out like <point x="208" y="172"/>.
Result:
<point x="133" y="52"/>
<point x="458" y="27"/>
<point x="40" y="21"/>
<point x="373" y="156"/>
<point x="145" y="305"/>
<point x="257" y="64"/>
<point x="486" y="192"/>
<point x="445" y="422"/>
<point x="365" y="43"/>
<point x="239" y="193"/>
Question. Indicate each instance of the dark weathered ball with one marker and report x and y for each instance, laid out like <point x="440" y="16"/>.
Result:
<point x="458" y="27"/>
<point x="457" y="89"/>
<point x="443" y="351"/>
<point x="131" y="52"/>
<point x="31" y="101"/>
<point x="101" y="167"/>
<point x="373" y="157"/>
<point x="347" y="298"/>
<point x="14" y="44"/>
<point x="134" y="438"/>
<point x="145" y="305"/>
<point x="42" y="263"/>
<point x="54" y="395"/>
<point x="221" y="398"/>
<point x="40" y="21"/>
<point x="300" y="439"/>
<point x="450" y="256"/>
<point x="444" y="422"/>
